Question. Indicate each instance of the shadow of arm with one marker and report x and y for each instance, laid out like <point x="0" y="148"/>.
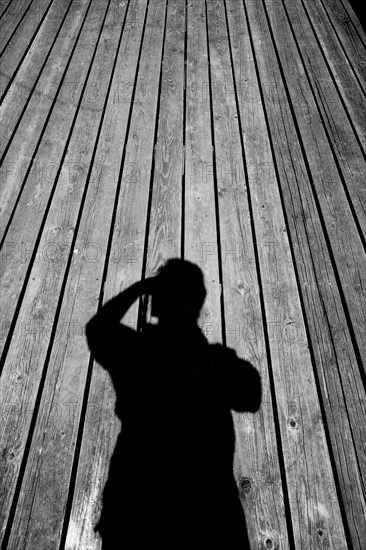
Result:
<point x="105" y="334"/>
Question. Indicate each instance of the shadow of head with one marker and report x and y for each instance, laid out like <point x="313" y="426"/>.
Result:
<point x="179" y="292"/>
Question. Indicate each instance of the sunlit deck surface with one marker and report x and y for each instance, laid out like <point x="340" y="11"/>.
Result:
<point x="229" y="133"/>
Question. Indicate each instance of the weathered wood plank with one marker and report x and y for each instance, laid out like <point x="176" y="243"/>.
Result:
<point x="22" y="42"/>
<point x="100" y="431"/>
<point x="256" y="467"/>
<point x="332" y="344"/>
<point x="306" y="456"/>
<point x="44" y="491"/>
<point x="53" y="467"/>
<point x="338" y="223"/>
<point x="200" y="238"/>
<point x="28" y="350"/>
<point x="129" y="231"/>
<point x="4" y="5"/>
<point x="349" y="89"/>
<point x="348" y="155"/>
<point x="48" y="373"/>
<point x="355" y="20"/>
<point x="19" y="93"/>
<point x="13" y="16"/>
<point x="165" y="223"/>
<point x="349" y="39"/>
<point x="36" y="166"/>
<point x="56" y="89"/>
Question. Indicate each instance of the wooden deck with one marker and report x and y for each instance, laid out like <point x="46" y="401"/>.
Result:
<point x="232" y="134"/>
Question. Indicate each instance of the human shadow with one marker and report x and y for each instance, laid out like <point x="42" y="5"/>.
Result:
<point x="171" y="474"/>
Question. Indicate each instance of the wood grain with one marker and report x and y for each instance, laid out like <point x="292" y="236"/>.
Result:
<point x="256" y="468"/>
<point x="36" y="156"/>
<point x="39" y="59"/>
<point x="165" y="216"/>
<point x="346" y="247"/>
<point x="333" y="347"/>
<point x="302" y="431"/>
<point x="230" y="133"/>
<point x="201" y="240"/>
<point x="13" y="18"/>
<point x="101" y="426"/>
<point x="347" y="152"/>
<point x="341" y="68"/>
<point x="22" y="41"/>
<point x="352" y="14"/>
<point x="350" y="40"/>
<point x="37" y="315"/>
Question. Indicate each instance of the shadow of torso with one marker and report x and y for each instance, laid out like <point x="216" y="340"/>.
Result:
<point x="171" y="478"/>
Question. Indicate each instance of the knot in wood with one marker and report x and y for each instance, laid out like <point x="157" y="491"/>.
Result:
<point x="245" y="486"/>
<point x="293" y="422"/>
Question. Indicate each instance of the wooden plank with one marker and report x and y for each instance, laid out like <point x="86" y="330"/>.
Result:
<point x="4" y="5"/>
<point x="12" y="19"/>
<point x="200" y="239"/>
<point x="45" y="485"/>
<point x="355" y="20"/>
<point x="129" y="232"/>
<point x="165" y="221"/>
<point x="28" y="350"/>
<point x="22" y="43"/>
<point x="17" y="88"/>
<point x="16" y="155"/>
<point x="349" y="89"/>
<point x="339" y="225"/>
<point x="100" y="432"/>
<point x="347" y="153"/>
<point x="15" y="5"/>
<point x="337" y="373"/>
<point x="331" y="342"/>
<point x="256" y="463"/>
<point x="306" y="456"/>
<point x="36" y="167"/>
<point x="350" y="41"/>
